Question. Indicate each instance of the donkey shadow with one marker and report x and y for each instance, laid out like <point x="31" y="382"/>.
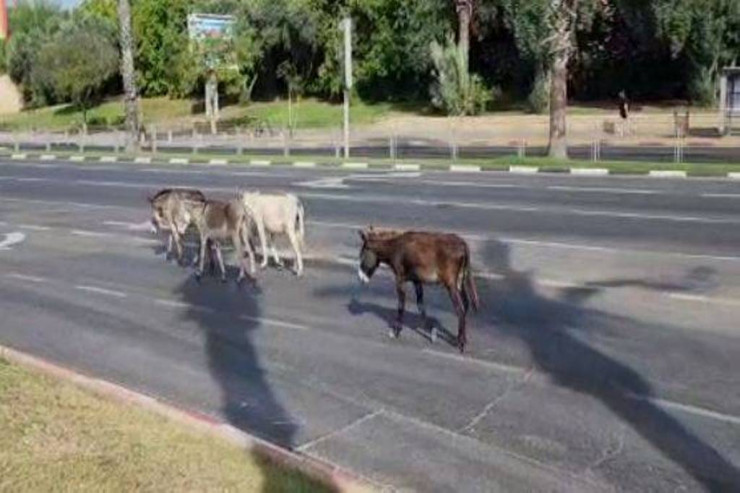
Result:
<point x="412" y="320"/>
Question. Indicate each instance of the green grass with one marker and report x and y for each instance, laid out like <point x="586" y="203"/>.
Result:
<point x="308" y="113"/>
<point x="58" y="437"/>
<point x="110" y="112"/>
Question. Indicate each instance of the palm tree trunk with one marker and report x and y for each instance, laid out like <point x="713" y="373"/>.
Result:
<point x="129" y="76"/>
<point x="464" y="13"/>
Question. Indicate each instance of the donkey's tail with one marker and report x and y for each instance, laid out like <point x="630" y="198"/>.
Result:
<point x="468" y="284"/>
<point x="301" y="233"/>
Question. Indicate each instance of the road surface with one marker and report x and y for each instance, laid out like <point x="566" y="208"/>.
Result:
<point x="605" y="356"/>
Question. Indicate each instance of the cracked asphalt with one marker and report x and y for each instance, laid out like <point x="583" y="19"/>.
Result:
<point x="604" y="358"/>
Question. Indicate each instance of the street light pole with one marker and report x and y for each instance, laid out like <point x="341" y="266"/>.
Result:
<point x="346" y="26"/>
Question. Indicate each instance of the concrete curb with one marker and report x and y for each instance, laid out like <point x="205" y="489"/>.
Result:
<point x="317" y="469"/>
<point x="667" y="174"/>
<point x="589" y="171"/>
<point x="452" y="168"/>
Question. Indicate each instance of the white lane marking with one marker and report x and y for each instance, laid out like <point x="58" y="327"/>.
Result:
<point x="517" y="208"/>
<point x="553" y="244"/>
<point x="304" y="164"/>
<point x="103" y="291"/>
<point x="733" y="176"/>
<point x="172" y="303"/>
<point x="142" y="226"/>
<point x="179" y="160"/>
<point x="337" y="182"/>
<point x="626" y="191"/>
<point x="77" y="159"/>
<point x="659" y="173"/>
<point x="31" y="179"/>
<point x="108" y="159"/>
<point x="272" y="321"/>
<point x="687" y="408"/>
<point x="703" y="299"/>
<point x="18" y="156"/>
<point x="143" y="160"/>
<point x="92" y="234"/>
<point x="260" y="162"/>
<point x="24" y="277"/>
<point x="218" y="161"/>
<point x="12" y="239"/>
<point x="48" y="157"/>
<point x="34" y="227"/>
<point x="721" y="195"/>
<point x="59" y="202"/>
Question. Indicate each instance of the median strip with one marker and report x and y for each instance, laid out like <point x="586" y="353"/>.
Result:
<point x="524" y="170"/>
<point x="48" y="157"/>
<point x="464" y="168"/>
<point x="108" y="159"/>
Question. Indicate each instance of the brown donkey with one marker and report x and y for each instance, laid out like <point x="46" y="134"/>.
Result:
<point x="422" y="258"/>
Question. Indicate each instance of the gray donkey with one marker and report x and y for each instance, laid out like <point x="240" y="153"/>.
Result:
<point x="218" y="221"/>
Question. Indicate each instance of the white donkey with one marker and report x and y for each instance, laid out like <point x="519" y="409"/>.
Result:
<point x="275" y="214"/>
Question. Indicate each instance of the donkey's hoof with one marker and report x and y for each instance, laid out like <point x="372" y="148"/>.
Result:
<point x="433" y="335"/>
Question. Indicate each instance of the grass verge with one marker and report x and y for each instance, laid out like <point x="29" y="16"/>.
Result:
<point x="58" y="437"/>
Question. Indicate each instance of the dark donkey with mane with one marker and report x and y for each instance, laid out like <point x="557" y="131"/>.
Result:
<point x="422" y="258"/>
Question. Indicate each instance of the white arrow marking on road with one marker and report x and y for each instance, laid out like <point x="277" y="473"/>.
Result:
<point x="338" y="182"/>
<point x="12" y="239"/>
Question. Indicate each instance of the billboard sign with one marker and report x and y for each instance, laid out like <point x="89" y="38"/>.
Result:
<point x="212" y="36"/>
<point x="210" y="27"/>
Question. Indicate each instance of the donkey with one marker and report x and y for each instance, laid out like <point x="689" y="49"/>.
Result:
<point x="422" y="258"/>
<point x="277" y="214"/>
<point x="218" y="221"/>
<point x="171" y="206"/>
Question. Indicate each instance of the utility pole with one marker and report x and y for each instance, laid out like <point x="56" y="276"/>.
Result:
<point x="129" y="76"/>
<point x="346" y="26"/>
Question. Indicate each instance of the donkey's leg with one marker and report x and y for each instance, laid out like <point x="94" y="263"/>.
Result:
<point x="274" y="252"/>
<point x="247" y="245"/>
<point x="457" y="301"/>
<point x="423" y="312"/>
<point x="398" y="324"/>
<point x="220" y="261"/>
<point x="202" y="259"/>
<point x="263" y="241"/>
<point x="297" y="250"/>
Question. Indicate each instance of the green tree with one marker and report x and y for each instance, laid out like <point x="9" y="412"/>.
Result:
<point x="455" y="90"/>
<point x="77" y="62"/>
<point x="160" y="31"/>
<point x="33" y="23"/>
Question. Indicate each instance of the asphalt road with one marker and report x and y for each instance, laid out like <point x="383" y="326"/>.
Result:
<point x="605" y="356"/>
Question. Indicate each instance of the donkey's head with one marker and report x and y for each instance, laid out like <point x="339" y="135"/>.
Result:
<point x="368" y="258"/>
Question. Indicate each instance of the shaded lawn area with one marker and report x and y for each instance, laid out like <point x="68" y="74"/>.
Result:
<point x="58" y="437"/>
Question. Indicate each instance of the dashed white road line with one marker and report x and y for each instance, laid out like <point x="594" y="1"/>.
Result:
<point x="272" y="321"/>
<point x="34" y="227"/>
<point x="103" y="291"/>
<point x="92" y="234"/>
<point x="25" y="277"/>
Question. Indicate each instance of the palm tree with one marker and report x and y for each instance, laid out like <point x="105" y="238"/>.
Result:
<point x="464" y="10"/>
<point x="129" y="76"/>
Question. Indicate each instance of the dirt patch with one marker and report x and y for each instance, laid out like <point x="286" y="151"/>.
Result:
<point x="11" y="101"/>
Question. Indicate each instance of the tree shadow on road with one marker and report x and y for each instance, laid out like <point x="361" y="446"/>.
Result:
<point x="229" y="318"/>
<point x="549" y="328"/>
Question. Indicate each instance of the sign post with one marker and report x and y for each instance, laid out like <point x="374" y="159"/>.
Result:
<point x="346" y="26"/>
<point x="212" y="34"/>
